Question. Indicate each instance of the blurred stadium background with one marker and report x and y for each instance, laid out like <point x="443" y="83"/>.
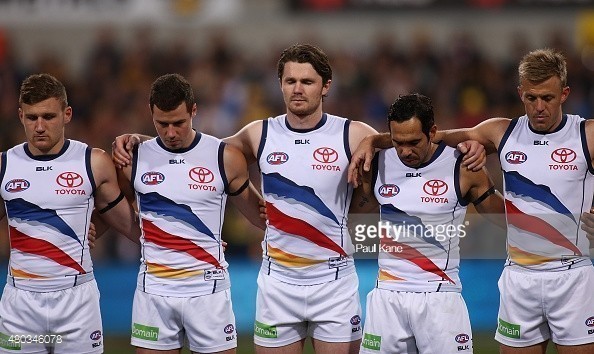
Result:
<point x="461" y="53"/>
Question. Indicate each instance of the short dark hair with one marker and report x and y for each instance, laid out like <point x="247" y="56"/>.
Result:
<point x="39" y="87"/>
<point x="306" y="53"/>
<point x="413" y="105"/>
<point x="169" y="91"/>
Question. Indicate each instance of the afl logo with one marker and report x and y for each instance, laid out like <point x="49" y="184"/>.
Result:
<point x="152" y="178"/>
<point x="435" y="187"/>
<point x="201" y="175"/>
<point x="388" y="190"/>
<point x="325" y="155"/>
<point x="277" y="158"/>
<point x="590" y="322"/>
<point x="515" y="157"/>
<point x="69" y="179"/>
<point x="17" y="185"/>
<point x="229" y="328"/>
<point x="563" y="155"/>
<point x="462" y="338"/>
<point x="95" y="335"/>
<point x="355" y="320"/>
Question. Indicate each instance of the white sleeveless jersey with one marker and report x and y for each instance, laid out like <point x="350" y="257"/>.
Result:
<point x="548" y="179"/>
<point x="49" y="200"/>
<point x="421" y="220"/>
<point x="304" y="184"/>
<point x="181" y="199"/>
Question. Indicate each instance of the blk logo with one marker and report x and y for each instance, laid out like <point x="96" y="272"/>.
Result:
<point x="563" y="155"/>
<point x="201" y="175"/>
<point x="515" y="157"/>
<point x="435" y="187"/>
<point x="325" y="155"/>
<point x="17" y="185"/>
<point x="388" y="190"/>
<point x="152" y="178"/>
<point x="69" y="179"/>
<point x="277" y="158"/>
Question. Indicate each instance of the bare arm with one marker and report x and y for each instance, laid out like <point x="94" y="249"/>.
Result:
<point x="363" y="141"/>
<point x="363" y="198"/>
<point x="116" y="213"/>
<point x="479" y="189"/>
<point x="242" y="192"/>
<point x="487" y="133"/>
<point x="247" y="140"/>
<point x="2" y="209"/>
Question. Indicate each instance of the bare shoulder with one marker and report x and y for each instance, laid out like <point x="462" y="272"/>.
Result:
<point x="494" y="125"/>
<point x="99" y="156"/>
<point x="357" y="132"/>
<point x="233" y="157"/>
<point x="101" y="164"/>
<point x="490" y="131"/>
<point x="361" y="127"/>
<point x="250" y="131"/>
<point x="247" y="139"/>
<point x="589" y="126"/>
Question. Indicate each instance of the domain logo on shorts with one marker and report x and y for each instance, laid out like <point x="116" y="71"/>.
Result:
<point x="371" y="341"/>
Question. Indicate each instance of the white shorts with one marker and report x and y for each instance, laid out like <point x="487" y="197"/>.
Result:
<point x="287" y="313"/>
<point x="407" y="323"/>
<point x="163" y="322"/>
<point x="68" y="321"/>
<point x="535" y="306"/>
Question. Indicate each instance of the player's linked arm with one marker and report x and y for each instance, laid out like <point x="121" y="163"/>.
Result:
<point x="487" y="133"/>
<point x="122" y="147"/>
<point x="242" y="192"/>
<point x="247" y="140"/>
<point x="363" y="200"/>
<point x="110" y="203"/>
<point x="481" y="192"/>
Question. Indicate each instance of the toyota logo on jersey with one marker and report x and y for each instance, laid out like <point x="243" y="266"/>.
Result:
<point x="435" y="187"/>
<point x="563" y="155"/>
<point x="69" y="179"/>
<point x="201" y="175"/>
<point x="325" y="155"/>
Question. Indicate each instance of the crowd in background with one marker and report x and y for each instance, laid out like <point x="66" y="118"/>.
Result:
<point x="110" y="95"/>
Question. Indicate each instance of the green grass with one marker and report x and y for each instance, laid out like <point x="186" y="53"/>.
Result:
<point x="483" y="344"/>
